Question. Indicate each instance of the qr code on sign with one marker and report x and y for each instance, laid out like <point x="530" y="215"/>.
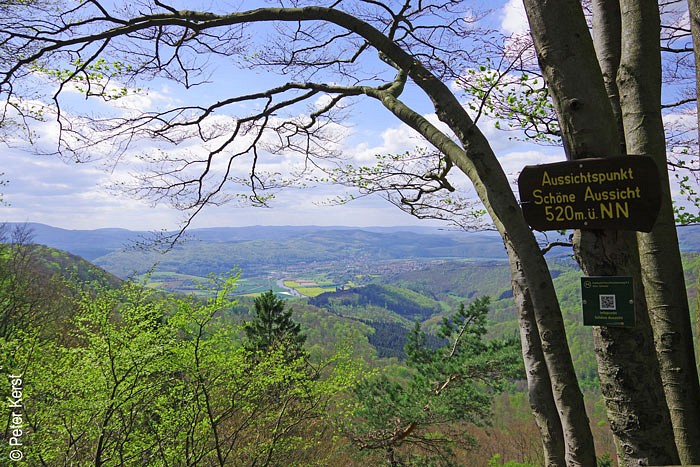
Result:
<point x="607" y="302"/>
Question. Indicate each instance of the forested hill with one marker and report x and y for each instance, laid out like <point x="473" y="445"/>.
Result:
<point x="70" y="267"/>
<point x="264" y="248"/>
<point x="307" y="242"/>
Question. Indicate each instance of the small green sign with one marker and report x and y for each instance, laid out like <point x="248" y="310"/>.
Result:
<point x="607" y="301"/>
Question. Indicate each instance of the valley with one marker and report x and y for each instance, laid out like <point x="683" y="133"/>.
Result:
<point x="387" y="278"/>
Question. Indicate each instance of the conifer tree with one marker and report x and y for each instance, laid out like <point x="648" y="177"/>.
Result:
<point x="411" y="421"/>
<point x="273" y="327"/>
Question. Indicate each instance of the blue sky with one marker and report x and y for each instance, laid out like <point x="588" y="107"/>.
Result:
<point x="65" y="194"/>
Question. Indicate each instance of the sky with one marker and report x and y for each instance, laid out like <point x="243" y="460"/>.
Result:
<point x="66" y="194"/>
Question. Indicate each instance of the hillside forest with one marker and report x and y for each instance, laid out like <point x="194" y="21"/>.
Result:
<point x="416" y="365"/>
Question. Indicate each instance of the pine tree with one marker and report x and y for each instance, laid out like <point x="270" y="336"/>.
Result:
<point x="273" y="327"/>
<point x="413" y="419"/>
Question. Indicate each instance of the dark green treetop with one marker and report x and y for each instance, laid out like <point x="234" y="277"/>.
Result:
<point x="272" y="327"/>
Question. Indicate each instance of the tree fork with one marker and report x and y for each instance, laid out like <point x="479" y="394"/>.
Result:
<point x="570" y="66"/>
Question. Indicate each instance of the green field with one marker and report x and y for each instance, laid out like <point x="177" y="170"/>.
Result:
<point x="309" y="287"/>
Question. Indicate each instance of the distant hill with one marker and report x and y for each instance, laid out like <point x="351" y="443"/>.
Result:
<point x="467" y="279"/>
<point x="71" y="267"/>
<point x="689" y="238"/>
<point x="391" y="242"/>
<point x="88" y="244"/>
<point x="255" y="249"/>
<point x="278" y="252"/>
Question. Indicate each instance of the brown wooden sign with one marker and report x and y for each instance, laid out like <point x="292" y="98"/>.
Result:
<point x="619" y="193"/>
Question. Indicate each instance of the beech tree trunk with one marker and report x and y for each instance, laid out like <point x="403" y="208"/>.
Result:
<point x="539" y="391"/>
<point x="639" y="83"/>
<point x="694" y="13"/>
<point x="627" y="365"/>
<point x="607" y="41"/>
<point x="525" y="257"/>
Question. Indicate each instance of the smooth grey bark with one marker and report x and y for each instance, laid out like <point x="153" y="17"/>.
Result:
<point x="539" y="391"/>
<point x="627" y="365"/>
<point x="694" y="14"/>
<point x="607" y="41"/>
<point x="526" y="255"/>
<point x="639" y="83"/>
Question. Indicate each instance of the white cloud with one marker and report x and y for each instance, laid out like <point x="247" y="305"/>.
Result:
<point x="70" y="195"/>
<point x="66" y="194"/>
<point x="45" y="189"/>
<point x="399" y="139"/>
<point x="513" y="162"/>
<point x="142" y="100"/>
<point x="513" y="18"/>
<point x="76" y="196"/>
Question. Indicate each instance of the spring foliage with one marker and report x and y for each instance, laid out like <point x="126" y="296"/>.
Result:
<point x="148" y="380"/>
